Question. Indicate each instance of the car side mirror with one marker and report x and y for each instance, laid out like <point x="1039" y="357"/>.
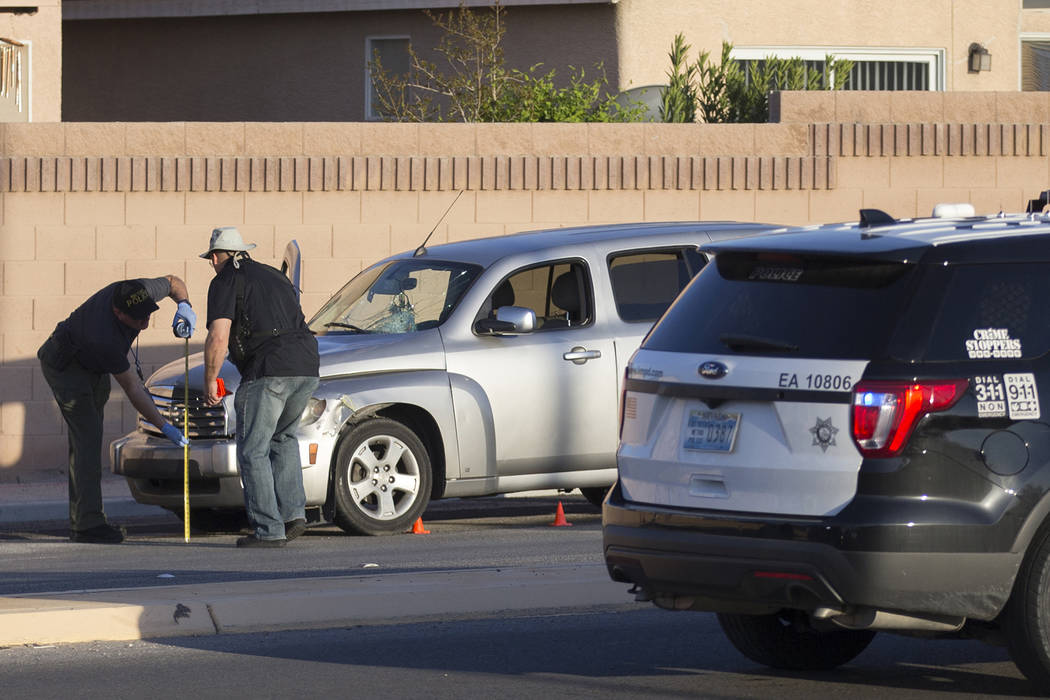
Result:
<point x="510" y="320"/>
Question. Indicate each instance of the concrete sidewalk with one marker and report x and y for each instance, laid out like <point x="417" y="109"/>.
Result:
<point x="49" y="501"/>
<point x="253" y="606"/>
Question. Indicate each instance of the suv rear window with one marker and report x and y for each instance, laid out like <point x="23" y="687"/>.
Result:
<point x="991" y="312"/>
<point x="772" y="303"/>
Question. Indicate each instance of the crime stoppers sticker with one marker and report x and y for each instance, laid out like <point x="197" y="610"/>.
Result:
<point x="989" y="343"/>
<point x="1022" y="397"/>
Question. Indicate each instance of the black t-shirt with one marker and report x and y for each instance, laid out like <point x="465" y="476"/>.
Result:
<point x="281" y="344"/>
<point x="101" y="340"/>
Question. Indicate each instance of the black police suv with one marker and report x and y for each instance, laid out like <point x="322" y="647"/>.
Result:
<point x="839" y="429"/>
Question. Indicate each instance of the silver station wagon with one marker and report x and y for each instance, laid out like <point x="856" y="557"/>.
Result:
<point x="480" y="367"/>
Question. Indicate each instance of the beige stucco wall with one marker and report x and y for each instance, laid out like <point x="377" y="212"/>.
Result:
<point x="83" y="204"/>
<point x="646" y="28"/>
<point x="42" y="30"/>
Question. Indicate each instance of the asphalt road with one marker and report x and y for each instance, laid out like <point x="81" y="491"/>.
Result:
<point x="602" y="650"/>
<point x="464" y="534"/>
<point x="596" y="653"/>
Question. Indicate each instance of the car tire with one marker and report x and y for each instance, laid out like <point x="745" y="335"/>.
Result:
<point x="595" y="494"/>
<point x="382" y="480"/>
<point x="1026" y="617"/>
<point x="785" y="641"/>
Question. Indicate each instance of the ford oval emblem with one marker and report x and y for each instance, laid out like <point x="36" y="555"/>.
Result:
<point x="713" y="370"/>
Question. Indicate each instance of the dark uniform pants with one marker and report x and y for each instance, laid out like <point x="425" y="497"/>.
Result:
<point x="81" y="396"/>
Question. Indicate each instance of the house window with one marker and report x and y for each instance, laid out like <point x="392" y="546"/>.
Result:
<point x="1035" y="64"/>
<point x="14" y="81"/>
<point x="392" y="53"/>
<point x="873" y="69"/>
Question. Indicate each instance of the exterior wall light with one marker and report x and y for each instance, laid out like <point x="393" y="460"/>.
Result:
<point x="979" y="58"/>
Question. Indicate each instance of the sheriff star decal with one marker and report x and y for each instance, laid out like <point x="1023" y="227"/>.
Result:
<point x="823" y="433"/>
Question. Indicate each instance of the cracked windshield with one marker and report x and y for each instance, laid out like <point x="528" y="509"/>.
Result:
<point x="400" y="297"/>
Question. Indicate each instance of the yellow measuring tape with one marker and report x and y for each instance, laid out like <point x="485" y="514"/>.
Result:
<point x="186" y="448"/>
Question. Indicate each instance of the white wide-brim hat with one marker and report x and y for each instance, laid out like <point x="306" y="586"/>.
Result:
<point x="226" y="238"/>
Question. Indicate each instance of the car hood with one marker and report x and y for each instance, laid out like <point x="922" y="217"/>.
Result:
<point x="369" y="353"/>
<point x="341" y="355"/>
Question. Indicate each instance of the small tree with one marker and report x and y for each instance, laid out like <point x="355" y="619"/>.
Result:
<point x="469" y="83"/>
<point x="678" y="103"/>
<point x="712" y="85"/>
<point x="474" y="85"/>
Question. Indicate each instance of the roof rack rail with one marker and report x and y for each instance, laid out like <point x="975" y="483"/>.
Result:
<point x="875" y="217"/>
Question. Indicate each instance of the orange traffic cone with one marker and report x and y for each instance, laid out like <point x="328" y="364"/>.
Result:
<point x="417" y="528"/>
<point x="559" y="518"/>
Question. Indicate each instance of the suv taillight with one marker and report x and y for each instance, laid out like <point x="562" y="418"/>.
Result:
<point x="885" y="413"/>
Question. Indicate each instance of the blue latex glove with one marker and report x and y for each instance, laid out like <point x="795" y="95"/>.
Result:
<point x="175" y="435"/>
<point x="185" y="321"/>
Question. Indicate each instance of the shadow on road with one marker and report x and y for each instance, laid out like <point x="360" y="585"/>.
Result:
<point x="645" y="651"/>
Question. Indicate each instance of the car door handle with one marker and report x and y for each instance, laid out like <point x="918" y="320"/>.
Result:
<point x="579" y="355"/>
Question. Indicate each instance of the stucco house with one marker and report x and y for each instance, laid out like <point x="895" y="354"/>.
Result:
<point x="306" y="60"/>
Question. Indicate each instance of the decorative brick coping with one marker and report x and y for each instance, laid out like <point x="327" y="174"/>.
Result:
<point x="928" y="139"/>
<point x="405" y="173"/>
<point x="814" y="168"/>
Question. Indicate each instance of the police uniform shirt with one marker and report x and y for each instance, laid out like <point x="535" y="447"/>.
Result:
<point x="281" y="344"/>
<point x="102" y="340"/>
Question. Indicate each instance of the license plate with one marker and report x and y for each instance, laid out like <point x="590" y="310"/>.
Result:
<point x="710" y="431"/>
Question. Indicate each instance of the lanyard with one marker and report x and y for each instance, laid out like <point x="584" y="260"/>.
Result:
<point x="135" y="354"/>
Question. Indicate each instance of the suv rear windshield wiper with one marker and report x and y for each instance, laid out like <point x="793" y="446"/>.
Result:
<point x="735" y="342"/>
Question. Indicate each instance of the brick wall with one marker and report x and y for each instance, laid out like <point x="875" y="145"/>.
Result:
<point x="83" y="204"/>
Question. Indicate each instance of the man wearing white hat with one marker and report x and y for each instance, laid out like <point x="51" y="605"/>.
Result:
<point x="254" y="314"/>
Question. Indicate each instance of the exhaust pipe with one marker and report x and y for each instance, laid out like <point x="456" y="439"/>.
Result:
<point x="872" y="619"/>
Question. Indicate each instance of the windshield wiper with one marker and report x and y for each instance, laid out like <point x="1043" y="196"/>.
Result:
<point x="737" y="341"/>
<point x="349" y="326"/>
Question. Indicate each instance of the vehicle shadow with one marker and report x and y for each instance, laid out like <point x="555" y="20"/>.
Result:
<point x="647" y="652"/>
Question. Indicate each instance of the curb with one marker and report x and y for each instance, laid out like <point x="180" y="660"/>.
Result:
<point x="256" y="606"/>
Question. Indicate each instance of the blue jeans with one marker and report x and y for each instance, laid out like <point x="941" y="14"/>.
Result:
<point x="268" y="411"/>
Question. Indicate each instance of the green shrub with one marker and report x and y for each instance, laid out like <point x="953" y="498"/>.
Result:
<point x="734" y="91"/>
<point x="473" y="83"/>
<point x="678" y="103"/>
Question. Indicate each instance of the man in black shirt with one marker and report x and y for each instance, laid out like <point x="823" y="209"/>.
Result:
<point x="77" y="360"/>
<point x="254" y="313"/>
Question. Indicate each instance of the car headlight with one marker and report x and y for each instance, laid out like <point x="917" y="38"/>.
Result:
<point x="313" y="411"/>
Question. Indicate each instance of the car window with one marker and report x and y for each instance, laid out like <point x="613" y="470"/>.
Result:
<point x="402" y="296"/>
<point x="558" y="293"/>
<point x="780" y="304"/>
<point x="645" y="282"/>
<point x="992" y="312"/>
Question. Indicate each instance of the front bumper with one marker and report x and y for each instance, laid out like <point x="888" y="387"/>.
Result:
<point x="155" y="469"/>
<point x="728" y="562"/>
